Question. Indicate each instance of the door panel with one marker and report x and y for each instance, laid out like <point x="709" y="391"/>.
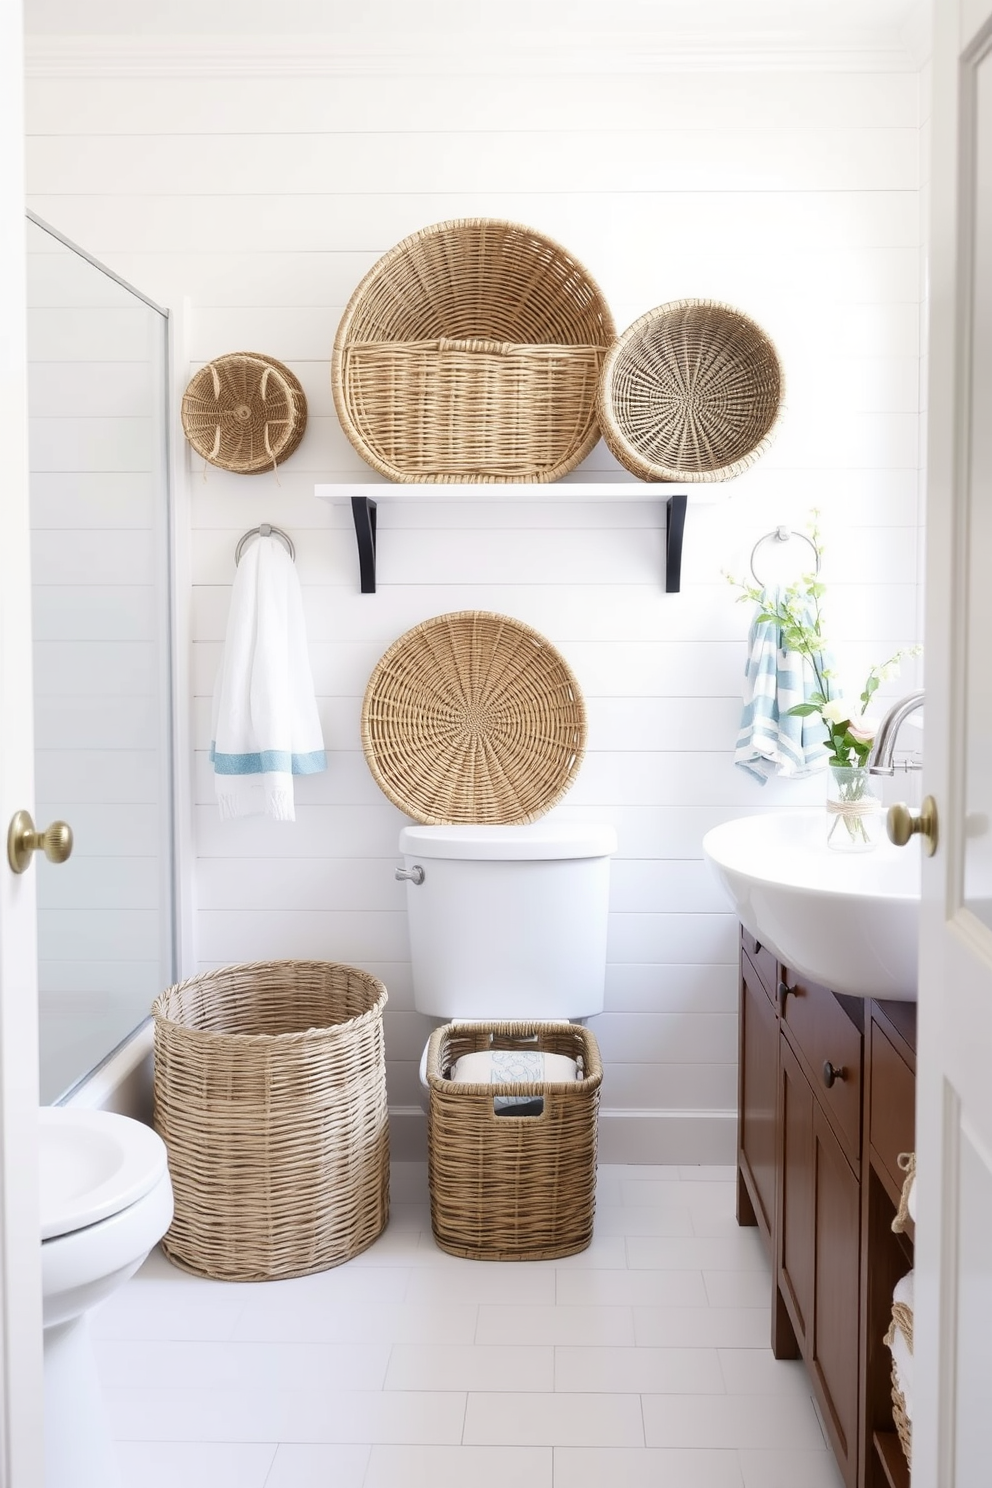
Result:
<point x="759" y="1085"/>
<point x="834" y="1355"/>
<point x="796" y="1179"/>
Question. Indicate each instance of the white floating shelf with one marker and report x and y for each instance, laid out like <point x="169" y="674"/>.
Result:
<point x="363" y="497"/>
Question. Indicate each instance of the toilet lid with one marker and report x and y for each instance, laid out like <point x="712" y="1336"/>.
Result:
<point x="93" y="1164"/>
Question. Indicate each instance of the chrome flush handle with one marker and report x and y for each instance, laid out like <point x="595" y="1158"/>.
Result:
<point x="414" y="875"/>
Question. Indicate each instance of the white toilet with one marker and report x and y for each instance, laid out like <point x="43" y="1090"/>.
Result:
<point x="507" y="922"/>
<point x="106" y="1199"/>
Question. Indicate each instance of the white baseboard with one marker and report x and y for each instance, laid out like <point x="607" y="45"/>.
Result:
<point x="668" y="1137"/>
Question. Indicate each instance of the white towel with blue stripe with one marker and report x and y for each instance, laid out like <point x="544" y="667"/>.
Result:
<point x="771" y="742"/>
<point x="265" y="723"/>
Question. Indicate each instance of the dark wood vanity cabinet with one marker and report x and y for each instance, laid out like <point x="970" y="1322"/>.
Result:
<point x="826" y="1090"/>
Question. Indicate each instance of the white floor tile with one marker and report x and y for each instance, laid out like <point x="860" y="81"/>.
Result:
<point x="636" y="1191"/>
<point x="585" y="1325"/>
<point x="298" y="1466"/>
<point x="639" y="1371"/>
<point x="164" y="1364"/>
<point x="740" y="1251"/>
<point x="701" y="1327"/>
<point x="607" y="1252"/>
<point x="631" y="1289"/>
<point x="415" y="1416"/>
<point x="158" y="1464"/>
<point x="364" y="1322"/>
<point x="790" y="1470"/>
<point x="446" y="1366"/>
<point x="709" y="1173"/>
<point x="647" y="1219"/>
<point x="180" y="1415"/>
<point x="409" y="1216"/>
<point x="554" y="1420"/>
<point x="160" y="1310"/>
<point x="454" y="1467"/>
<point x="640" y="1171"/>
<point x="649" y="1468"/>
<point x="739" y="1289"/>
<point x="756" y="1372"/>
<point x="730" y="1421"/>
<point x="524" y="1284"/>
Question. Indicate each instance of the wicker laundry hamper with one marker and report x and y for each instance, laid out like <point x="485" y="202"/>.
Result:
<point x="902" y="1314"/>
<point x="512" y="1188"/>
<point x="270" y="1095"/>
<point x="244" y="412"/>
<point x="691" y="391"/>
<point x="471" y="353"/>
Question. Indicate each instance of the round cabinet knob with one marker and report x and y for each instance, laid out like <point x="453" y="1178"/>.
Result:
<point x="784" y="991"/>
<point x="901" y="824"/>
<point x="23" y="840"/>
<point x="833" y="1072"/>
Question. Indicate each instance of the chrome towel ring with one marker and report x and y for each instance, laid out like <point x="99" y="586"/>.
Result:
<point x="267" y="530"/>
<point x="781" y="535"/>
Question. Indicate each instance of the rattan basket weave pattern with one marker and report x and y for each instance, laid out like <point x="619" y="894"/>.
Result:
<point x="512" y="1188"/>
<point x="270" y="1095"/>
<point x="473" y="717"/>
<point x="244" y="412"/>
<point x="471" y="353"/>
<point x="690" y="392"/>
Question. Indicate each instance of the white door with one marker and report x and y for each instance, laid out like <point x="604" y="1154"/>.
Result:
<point x="20" y="1251"/>
<point x="953" y="1325"/>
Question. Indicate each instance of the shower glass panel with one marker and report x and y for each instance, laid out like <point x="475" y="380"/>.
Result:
<point x="103" y="730"/>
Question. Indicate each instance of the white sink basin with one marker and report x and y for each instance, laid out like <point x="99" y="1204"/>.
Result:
<point x="848" y="920"/>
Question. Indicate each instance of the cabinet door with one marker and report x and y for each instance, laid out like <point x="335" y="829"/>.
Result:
<point x="795" y="1197"/>
<point x="833" y="1353"/>
<point x="759" y="1040"/>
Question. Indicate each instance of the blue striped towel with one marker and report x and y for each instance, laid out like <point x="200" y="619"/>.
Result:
<point x="771" y="742"/>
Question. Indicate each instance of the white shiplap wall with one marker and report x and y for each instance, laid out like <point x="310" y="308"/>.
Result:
<point x="263" y="199"/>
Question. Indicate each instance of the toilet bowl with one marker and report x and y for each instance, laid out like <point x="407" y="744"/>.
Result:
<point x="106" y="1200"/>
<point x="507" y="922"/>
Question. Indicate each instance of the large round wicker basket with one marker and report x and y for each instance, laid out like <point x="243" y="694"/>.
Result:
<point x="244" y="412"/>
<point x="690" y="392"/>
<point x="471" y="353"/>
<point x="270" y="1095"/>
<point x="473" y="717"/>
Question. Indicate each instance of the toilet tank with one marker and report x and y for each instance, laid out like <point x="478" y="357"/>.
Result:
<point x="509" y="922"/>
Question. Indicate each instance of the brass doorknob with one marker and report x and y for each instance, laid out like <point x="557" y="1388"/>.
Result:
<point x="22" y="840"/>
<point x="901" y="824"/>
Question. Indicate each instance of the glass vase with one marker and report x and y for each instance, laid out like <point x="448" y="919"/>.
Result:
<point x="854" y="809"/>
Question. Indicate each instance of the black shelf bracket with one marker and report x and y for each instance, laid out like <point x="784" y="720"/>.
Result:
<point x="363" y="510"/>
<point x="673" y="543"/>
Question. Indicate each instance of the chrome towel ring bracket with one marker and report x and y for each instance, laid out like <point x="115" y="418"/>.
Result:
<point x="781" y="535"/>
<point x="266" y="530"/>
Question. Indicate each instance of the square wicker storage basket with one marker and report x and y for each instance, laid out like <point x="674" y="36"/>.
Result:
<point x="512" y="1188"/>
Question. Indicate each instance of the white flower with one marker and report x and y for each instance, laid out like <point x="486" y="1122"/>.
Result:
<point x="890" y="669"/>
<point x="864" y="730"/>
<point x="835" y="711"/>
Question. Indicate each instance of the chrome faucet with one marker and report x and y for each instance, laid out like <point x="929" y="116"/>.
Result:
<point x="880" y="759"/>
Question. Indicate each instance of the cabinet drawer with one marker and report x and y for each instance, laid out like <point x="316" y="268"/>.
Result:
<point x="764" y="962"/>
<point x="824" y="1035"/>
<point x="892" y="1113"/>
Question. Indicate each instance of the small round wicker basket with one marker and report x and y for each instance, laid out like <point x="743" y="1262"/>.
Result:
<point x="473" y="717"/>
<point x="270" y="1095"/>
<point x="471" y="353"/>
<point x="244" y="412"/>
<point x="690" y="392"/>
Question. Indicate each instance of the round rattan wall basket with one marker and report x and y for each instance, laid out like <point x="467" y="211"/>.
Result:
<point x="473" y="717"/>
<point x="471" y="353"/>
<point x="244" y="412"/>
<point x="691" y="391"/>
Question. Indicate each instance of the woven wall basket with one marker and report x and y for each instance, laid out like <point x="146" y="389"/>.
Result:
<point x="470" y="353"/>
<point x="244" y="412"/>
<point x="473" y="717"/>
<point x="690" y="392"/>
<point x="270" y="1095"/>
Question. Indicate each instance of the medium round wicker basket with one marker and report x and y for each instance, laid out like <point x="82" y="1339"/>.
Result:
<point x="471" y="353"/>
<point x="270" y="1095"/>
<point x="473" y="717"/>
<point x="690" y="392"/>
<point x="244" y="412"/>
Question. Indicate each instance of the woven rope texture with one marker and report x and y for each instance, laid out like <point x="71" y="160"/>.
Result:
<point x="471" y="353"/>
<point x="690" y="392"/>
<point x="512" y="1188"/>
<point x="473" y="717"/>
<point x="244" y="412"/>
<point x="270" y="1095"/>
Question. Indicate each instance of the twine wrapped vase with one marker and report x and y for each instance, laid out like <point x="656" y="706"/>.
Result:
<point x="854" y="809"/>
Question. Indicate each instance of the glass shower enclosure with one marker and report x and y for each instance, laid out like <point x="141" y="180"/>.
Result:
<point x="100" y="517"/>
